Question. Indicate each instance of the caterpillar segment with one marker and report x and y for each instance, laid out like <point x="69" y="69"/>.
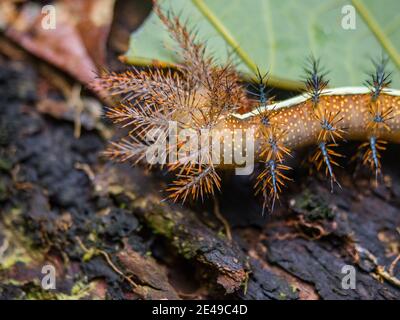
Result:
<point x="270" y="182"/>
<point x="329" y="122"/>
<point x="380" y="116"/>
<point x="273" y="154"/>
<point x="324" y="155"/>
<point x="315" y="82"/>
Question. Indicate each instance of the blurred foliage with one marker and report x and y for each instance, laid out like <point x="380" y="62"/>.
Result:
<point x="278" y="36"/>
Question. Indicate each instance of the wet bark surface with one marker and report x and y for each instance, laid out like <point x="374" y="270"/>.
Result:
<point x="109" y="234"/>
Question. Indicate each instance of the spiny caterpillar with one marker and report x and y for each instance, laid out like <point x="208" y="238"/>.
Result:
<point x="203" y="98"/>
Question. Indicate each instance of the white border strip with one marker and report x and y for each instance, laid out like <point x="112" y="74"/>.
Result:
<point x="303" y="97"/>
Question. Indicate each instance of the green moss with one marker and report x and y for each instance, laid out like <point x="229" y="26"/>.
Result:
<point x="314" y="207"/>
<point x="161" y="223"/>
<point x="5" y="164"/>
<point x="221" y="234"/>
<point x="19" y="248"/>
<point x="17" y="255"/>
<point x="282" y="296"/>
<point x="186" y="249"/>
<point x="78" y="291"/>
<point x="89" y="254"/>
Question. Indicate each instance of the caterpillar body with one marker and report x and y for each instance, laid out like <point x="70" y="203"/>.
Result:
<point x="353" y="103"/>
<point x="202" y="97"/>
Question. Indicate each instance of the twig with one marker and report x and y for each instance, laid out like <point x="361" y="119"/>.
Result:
<point x="393" y="265"/>
<point x="76" y="102"/>
<point x="86" y="168"/>
<point x="222" y="219"/>
<point x="108" y="260"/>
<point x="395" y="261"/>
<point x="379" y="270"/>
<point x="388" y="277"/>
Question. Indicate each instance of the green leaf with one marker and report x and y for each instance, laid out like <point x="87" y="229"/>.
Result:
<point x="278" y="36"/>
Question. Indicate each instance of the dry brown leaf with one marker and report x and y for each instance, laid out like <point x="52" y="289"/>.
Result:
<point x="77" y="44"/>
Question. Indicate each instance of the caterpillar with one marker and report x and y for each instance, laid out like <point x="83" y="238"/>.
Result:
<point x="183" y="110"/>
